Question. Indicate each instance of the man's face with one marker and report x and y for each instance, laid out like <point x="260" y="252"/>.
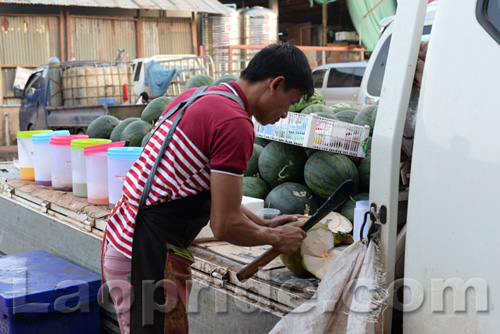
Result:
<point x="275" y="104"/>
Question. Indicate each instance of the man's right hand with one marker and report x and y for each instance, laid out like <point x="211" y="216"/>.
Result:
<point x="289" y="237"/>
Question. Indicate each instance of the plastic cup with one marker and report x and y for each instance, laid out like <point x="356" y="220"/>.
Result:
<point x="25" y="153"/>
<point x="268" y="213"/>
<point x="79" y="165"/>
<point x="41" y="150"/>
<point x="359" y="215"/>
<point x="97" y="172"/>
<point x="120" y="159"/>
<point x="60" y="161"/>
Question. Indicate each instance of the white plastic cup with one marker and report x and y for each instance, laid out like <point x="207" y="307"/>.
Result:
<point x="120" y="159"/>
<point x="60" y="161"/>
<point x="268" y="213"/>
<point x="97" y="172"/>
<point x="25" y="153"/>
<point x="359" y="215"/>
<point x="79" y="165"/>
<point x="41" y="152"/>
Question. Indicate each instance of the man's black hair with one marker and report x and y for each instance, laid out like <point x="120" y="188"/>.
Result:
<point x="281" y="59"/>
<point x="145" y="96"/>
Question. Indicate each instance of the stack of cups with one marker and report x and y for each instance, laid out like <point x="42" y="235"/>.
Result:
<point x="120" y="159"/>
<point x="79" y="165"/>
<point x="97" y="172"/>
<point x="25" y="153"/>
<point x="60" y="161"/>
<point x="41" y="154"/>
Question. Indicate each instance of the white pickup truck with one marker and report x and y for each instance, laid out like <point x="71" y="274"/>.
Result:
<point x="450" y="226"/>
<point x="188" y="66"/>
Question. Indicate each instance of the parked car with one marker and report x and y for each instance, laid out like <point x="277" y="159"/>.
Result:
<point x="339" y="82"/>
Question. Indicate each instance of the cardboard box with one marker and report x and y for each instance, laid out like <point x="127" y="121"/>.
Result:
<point x="41" y="293"/>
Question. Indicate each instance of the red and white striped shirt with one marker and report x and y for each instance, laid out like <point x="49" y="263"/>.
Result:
<point x="214" y="135"/>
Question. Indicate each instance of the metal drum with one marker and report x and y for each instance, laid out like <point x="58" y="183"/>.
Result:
<point x="259" y="26"/>
<point x="220" y="32"/>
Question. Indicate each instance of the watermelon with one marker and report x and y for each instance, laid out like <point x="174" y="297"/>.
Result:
<point x="364" y="117"/>
<point x="199" y="81"/>
<point x="317" y="250"/>
<point x="348" y="207"/>
<point x="292" y="198"/>
<point x="309" y="151"/>
<point x="117" y="131"/>
<point x="364" y="173"/>
<point x="225" y="78"/>
<point x="135" y="132"/>
<point x="155" y="108"/>
<point x="325" y="171"/>
<point x="317" y="108"/>
<point x="261" y="141"/>
<point x="346" y="115"/>
<point x="316" y="98"/>
<point x="253" y="163"/>
<point x="373" y="118"/>
<point x="340" y="105"/>
<point x="255" y="187"/>
<point x="293" y="261"/>
<point x="279" y="163"/>
<point x="326" y="115"/>
<point x="145" y="140"/>
<point x="102" y="126"/>
<point x="338" y="110"/>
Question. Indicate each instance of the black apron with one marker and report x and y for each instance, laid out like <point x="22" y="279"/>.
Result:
<point x="176" y="222"/>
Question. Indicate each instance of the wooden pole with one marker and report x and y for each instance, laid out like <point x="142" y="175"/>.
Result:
<point x="273" y="5"/>
<point x="138" y="35"/>
<point x="1" y="85"/>
<point x="194" y="33"/>
<point x="324" y="10"/>
<point x="62" y="41"/>
<point x="68" y="34"/>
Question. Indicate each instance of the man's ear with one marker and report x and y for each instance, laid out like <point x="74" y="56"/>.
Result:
<point x="276" y="83"/>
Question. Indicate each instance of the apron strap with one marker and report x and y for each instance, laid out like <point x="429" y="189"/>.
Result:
<point x="182" y="106"/>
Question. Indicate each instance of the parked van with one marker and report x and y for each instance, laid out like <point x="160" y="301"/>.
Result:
<point x="339" y="82"/>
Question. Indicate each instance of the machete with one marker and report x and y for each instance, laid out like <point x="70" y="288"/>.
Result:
<point x="341" y="194"/>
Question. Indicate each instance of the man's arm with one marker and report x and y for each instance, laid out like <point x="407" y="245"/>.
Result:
<point x="276" y="221"/>
<point x="231" y="224"/>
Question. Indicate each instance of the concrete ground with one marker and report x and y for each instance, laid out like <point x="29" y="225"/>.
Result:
<point x="8" y="153"/>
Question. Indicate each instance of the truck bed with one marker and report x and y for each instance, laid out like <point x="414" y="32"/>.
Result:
<point x="35" y="217"/>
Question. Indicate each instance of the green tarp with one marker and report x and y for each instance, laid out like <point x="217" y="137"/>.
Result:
<point x="366" y="23"/>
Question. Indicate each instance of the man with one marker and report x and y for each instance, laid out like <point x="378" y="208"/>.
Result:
<point x="199" y="178"/>
<point x="411" y="116"/>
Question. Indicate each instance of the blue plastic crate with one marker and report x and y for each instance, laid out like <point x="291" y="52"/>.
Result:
<point x="41" y="293"/>
<point x="106" y="100"/>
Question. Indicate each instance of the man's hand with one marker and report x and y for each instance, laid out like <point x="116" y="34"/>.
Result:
<point x="283" y="219"/>
<point x="419" y="71"/>
<point x="289" y="237"/>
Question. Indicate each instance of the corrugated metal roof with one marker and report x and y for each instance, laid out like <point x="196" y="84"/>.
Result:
<point x="203" y="6"/>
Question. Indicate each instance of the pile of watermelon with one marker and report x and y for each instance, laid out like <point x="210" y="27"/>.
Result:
<point x="297" y="180"/>
<point x="134" y="130"/>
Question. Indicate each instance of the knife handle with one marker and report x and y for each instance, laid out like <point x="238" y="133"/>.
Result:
<point x="251" y="268"/>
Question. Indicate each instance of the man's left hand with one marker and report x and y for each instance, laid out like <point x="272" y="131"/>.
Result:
<point x="283" y="219"/>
